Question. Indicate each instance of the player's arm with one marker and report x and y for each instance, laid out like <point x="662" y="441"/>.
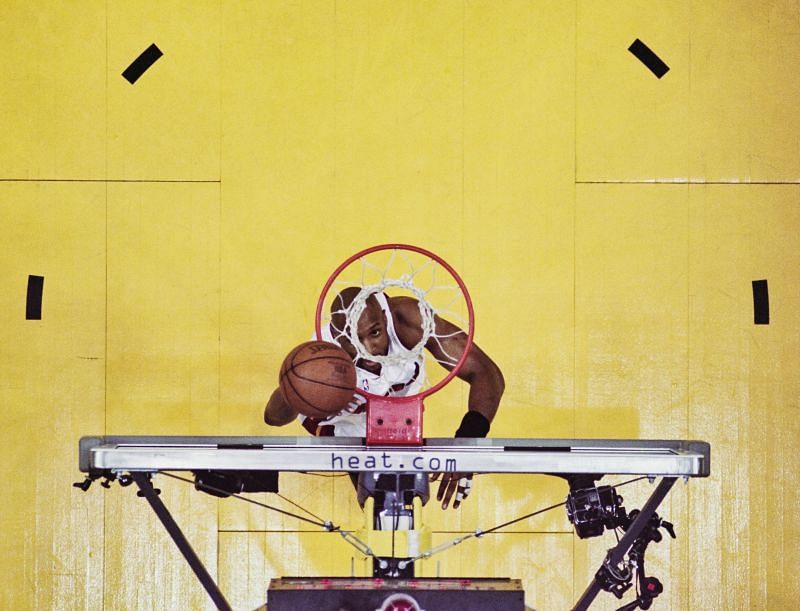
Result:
<point x="278" y="412"/>
<point x="486" y="383"/>
<point x="486" y="386"/>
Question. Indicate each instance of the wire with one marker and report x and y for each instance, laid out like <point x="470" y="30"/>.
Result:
<point x="520" y="519"/>
<point x="479" y="533"/>
<point x="630" y="481"/>
<point x="363" y="547"/>
<point x="325" y="525"/>
<point x="301" y="508"/>
<point x="329" y="526"/>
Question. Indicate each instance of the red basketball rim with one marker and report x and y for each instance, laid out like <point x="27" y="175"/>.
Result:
<point x="465" y="293"/>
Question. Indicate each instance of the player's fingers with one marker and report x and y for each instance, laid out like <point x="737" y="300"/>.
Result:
<point x="435" y="476"/>
<point x="446" y="487"/>
<point x="462" y="490"/>
<point x="452" y="486"/>
<point x="442" y="485"/>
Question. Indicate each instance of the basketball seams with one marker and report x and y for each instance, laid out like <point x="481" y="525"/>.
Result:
<point x="320" y="382"/>
<point x="296" y="392"/>
<point x="330" y="346"/>
<point x="297" y="384"/>
<point x="306" y="401"/>
<point x="297" y="351"/>
<point x="294" y="369"/>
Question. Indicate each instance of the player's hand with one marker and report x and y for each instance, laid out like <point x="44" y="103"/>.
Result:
<point x="453" y="485"/>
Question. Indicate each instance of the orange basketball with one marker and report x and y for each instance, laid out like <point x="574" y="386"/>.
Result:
<point x="317" y="379"/>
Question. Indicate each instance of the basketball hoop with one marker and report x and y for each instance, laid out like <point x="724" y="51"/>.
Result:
<point x="445" y="310"/>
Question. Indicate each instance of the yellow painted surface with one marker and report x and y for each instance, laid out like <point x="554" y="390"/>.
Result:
<point x="166" y="126"/>
<point x="163" y="303"/>
<point x="631" y="319"/>
<point x="744" y="392"/>
<point x="519" y="191"/>
<point x="185" y="225"/>
<point x="630" y="125"/>
<point x="54" y="102"/>
<point x="52" y="390"/>
<point x="743" y="124"/>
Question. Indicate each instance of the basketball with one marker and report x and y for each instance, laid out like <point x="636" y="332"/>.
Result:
<point x="317" y="379"/>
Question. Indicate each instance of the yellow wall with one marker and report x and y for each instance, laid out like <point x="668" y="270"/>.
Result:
<point x="608" y="223"/>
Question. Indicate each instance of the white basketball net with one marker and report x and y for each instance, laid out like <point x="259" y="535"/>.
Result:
<point x="419" y="276"/>
<point x="353" y="315"/>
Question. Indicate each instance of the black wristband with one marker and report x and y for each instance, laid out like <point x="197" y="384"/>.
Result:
<point x="473" y="424"/>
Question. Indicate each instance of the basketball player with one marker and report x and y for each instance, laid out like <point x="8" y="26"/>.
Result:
<point x="388" y="325"/>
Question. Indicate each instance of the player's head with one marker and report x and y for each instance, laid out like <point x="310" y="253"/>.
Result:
<point x="371" y="329"/>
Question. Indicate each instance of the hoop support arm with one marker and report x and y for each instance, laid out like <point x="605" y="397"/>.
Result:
<point x="143" y="481"/>
<point x="617" y="553"/>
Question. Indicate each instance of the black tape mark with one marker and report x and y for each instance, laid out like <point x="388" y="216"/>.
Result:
<point x="648" y="58"/>
<point x="33" y="305"/>
<point x="760" y="302"/>
<point x="142" y="63"/>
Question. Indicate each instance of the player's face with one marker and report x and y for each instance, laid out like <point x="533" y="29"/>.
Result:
<point x="372" y="334"/>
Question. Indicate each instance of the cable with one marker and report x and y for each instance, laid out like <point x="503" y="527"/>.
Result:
<point x="525" y="517"/>
<point x="325" y="525"/>
<point x="478" y="533"/>
<point x="363" y="547"/>
<point x="300" y="507"/>
<point x="328" y="525"/>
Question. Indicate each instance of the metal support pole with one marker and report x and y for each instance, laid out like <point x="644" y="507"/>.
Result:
<point x="617" y="553"/>
<point x="143" y="481"/>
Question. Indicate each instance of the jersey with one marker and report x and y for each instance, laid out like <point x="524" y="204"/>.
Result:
<point x="393" y="381"/>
